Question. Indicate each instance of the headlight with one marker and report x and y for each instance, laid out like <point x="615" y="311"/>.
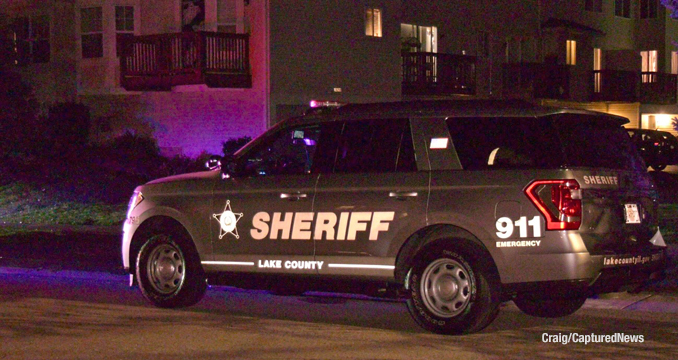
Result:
<point x="136" y="199"/>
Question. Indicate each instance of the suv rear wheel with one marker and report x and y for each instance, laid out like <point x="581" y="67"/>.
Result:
<point x="451" y="294"/>
<point x="169" y="273"/>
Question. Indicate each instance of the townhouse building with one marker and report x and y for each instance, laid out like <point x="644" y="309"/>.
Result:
<point x="194" y="73"/>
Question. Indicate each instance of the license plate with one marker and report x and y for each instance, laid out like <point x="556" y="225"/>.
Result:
<point x="632" y="214"/>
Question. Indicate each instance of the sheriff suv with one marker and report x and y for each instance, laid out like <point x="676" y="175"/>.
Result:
<point x="456" y="205"/>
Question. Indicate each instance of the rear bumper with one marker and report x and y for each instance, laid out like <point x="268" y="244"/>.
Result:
<point x="614" y="273"/>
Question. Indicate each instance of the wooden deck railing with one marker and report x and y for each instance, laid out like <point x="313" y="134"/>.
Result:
<point x="426" y="73"/>
<point x="158" y="62"/>
<point x="537" y="80"/>
<point x="646" y="87"/>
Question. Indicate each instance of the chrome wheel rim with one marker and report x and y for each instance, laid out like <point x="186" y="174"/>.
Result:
<point x="166" y="269"/>
<point x="446" y="287"/>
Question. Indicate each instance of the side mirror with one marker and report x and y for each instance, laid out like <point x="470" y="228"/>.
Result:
<point x="228" y="167"/>
<point x="214" y="162"/>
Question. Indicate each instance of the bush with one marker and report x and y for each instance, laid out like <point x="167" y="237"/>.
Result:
<point x="18" y="120"/>
<point x="234" y="144"/>
<point x="182" y="164"/>
<point x="67" y="127"/>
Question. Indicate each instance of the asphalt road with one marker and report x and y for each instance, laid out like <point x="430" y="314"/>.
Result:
<point x="49" y="314"/>
<point x="63" y="295"/>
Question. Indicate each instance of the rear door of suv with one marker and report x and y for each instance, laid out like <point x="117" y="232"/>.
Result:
<point x="370" y="200"/>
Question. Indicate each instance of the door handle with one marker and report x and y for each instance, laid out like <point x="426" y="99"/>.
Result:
<point x="293" y="197"/>
<point x="402" y="195"/>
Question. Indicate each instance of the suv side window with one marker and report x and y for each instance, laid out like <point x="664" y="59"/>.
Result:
<point x="505" y="143"/>
<point x="375" y="146"/>
<point x="288" y="152"/>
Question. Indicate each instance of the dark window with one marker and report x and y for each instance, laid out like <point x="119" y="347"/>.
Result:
<point x="287" y="152"/>
<point x="593" y="5"/>
<point x="596" y="141"/>
<point x="91" y="30"/>
<point x="556" y="141"/>
<point x="31" y="40"/>
<point x="124" y="27"/>
<point x="648" y="9"/>
<point x="375" y="146"/>
<point x="622" y="8"/>
<point x="490" y="143"/>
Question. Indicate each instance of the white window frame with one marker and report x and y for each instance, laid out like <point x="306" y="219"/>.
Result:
<point x="124" y="29"/>
<point x="95" y="30"/>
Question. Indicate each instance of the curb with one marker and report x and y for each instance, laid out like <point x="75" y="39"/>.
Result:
<point x="63" y="228"/>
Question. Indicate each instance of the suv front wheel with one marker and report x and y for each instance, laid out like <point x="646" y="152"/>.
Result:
<point x="451" y="294"/>
<point x="169" y="273"/>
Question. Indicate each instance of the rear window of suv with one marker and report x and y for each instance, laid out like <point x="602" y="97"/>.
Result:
<point x="554" y="141"/>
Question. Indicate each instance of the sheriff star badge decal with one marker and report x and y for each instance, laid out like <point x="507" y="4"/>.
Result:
<point x="228" y="220"/>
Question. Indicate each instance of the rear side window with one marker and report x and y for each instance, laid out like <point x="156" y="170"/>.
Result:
<point x="375" y="146"/>
<point x="554" y="141"/>
<point x="596" y="141"/>
<point x="505" y="142"/>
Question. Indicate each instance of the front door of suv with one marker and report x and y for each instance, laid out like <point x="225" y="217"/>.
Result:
<point x="262" y="214"/>
<point x="371" y="200"/>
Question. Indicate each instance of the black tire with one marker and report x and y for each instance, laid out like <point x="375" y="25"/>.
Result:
<point x="451" y="293"/>
<point x="549" y="308"/>
<point x="169" y="273"/>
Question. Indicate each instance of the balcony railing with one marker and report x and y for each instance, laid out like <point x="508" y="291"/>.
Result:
<point x="158" y="62"/>
<point x="646" y="87"/>
<point x="658" y="88"/>
<point x="438" y="74"/>
<point x="536" y="80"/>
<point x="615" y="85"/>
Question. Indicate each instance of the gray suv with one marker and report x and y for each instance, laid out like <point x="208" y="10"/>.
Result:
<point x="454" y="206"/>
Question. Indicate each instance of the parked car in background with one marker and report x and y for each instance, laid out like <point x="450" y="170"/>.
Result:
<point x="657" y="148"/>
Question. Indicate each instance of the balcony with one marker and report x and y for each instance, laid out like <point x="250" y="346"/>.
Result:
<point x="159" y="62"/>
<point x="536" y="80"/>
<point x="658" y="88"/>
<point x="438" y="74"/>
<point x="646" y="87"/>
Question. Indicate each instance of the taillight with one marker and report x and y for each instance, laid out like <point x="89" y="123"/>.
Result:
<point x="559" y="201"/>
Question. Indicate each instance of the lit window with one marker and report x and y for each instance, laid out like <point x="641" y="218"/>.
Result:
<point x="622" y="8"/>
<point x="649" y="66"/>
<point x="597" y="66"/>
<point x="91" y="32"/>
<point x="124" y="26"/>
<point x="419" y="38"/>
<point x="648" y="9"/>
<point x="571" y="55"/>
<point x="31" y="40"/>
<point x="593" y="5"/>
<point x="674" y="62"/>
<point x="373" y="22"/>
